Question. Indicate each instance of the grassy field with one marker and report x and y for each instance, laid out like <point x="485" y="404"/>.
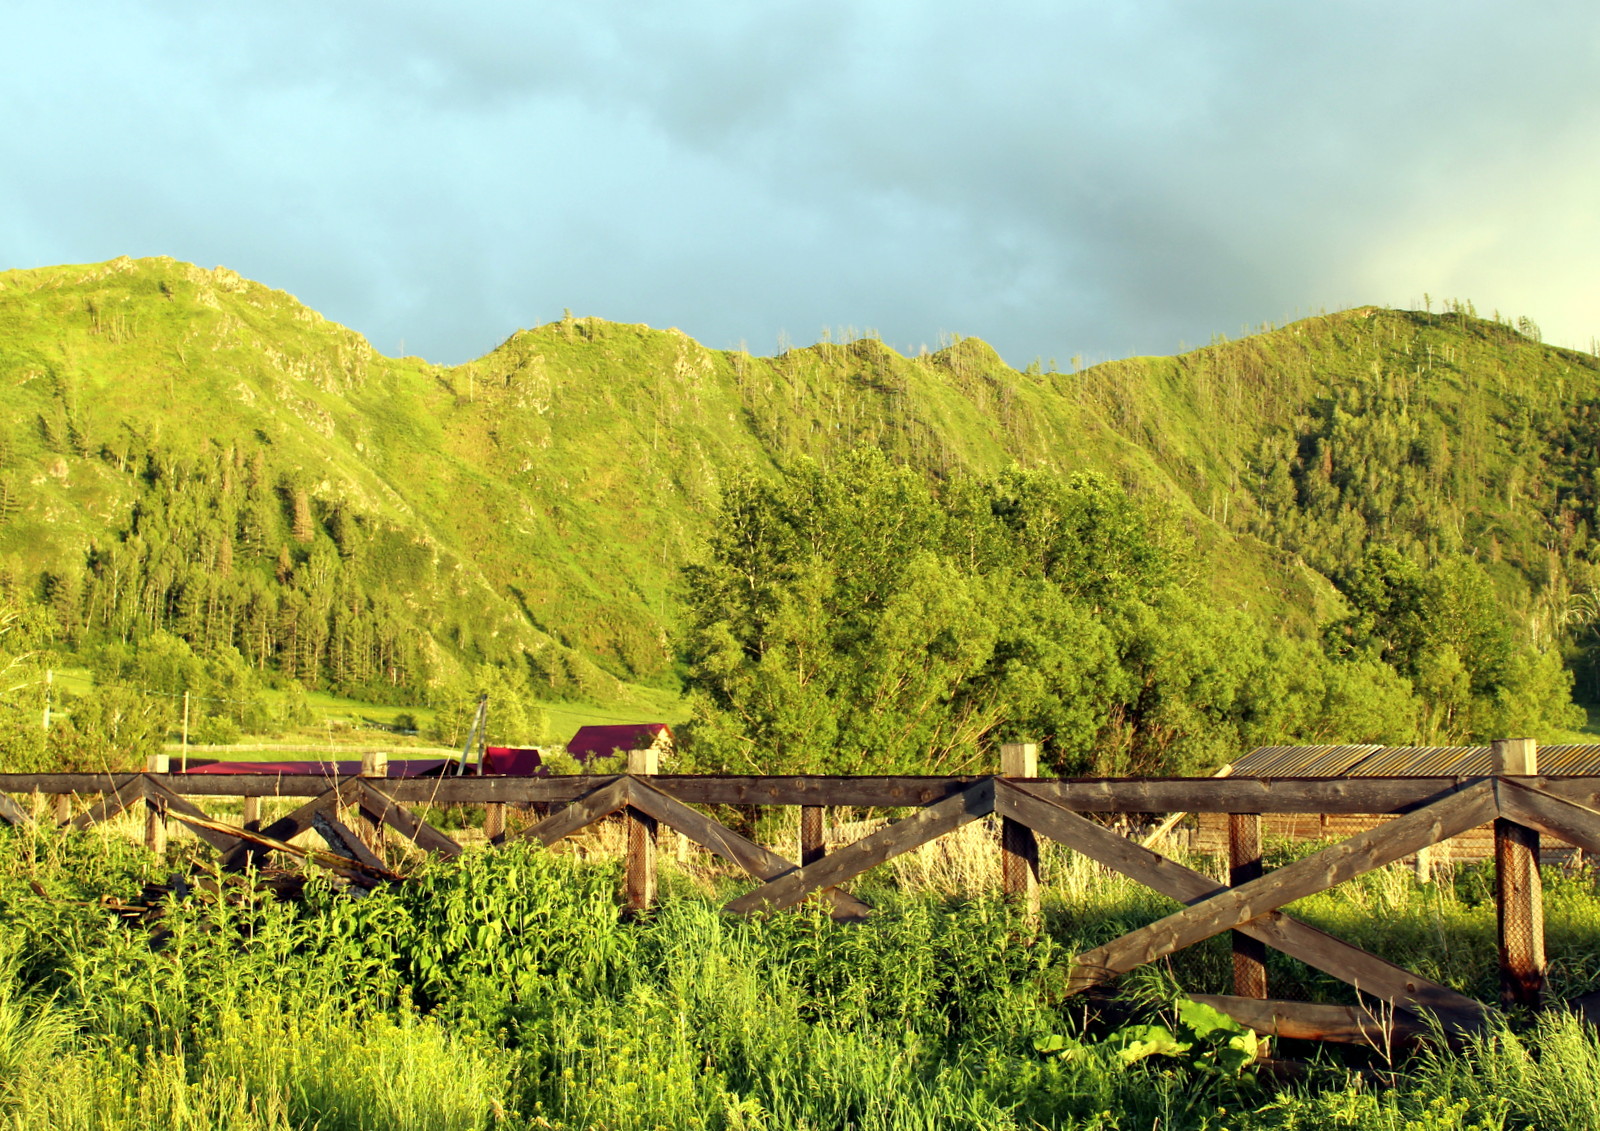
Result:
<point x="341" y="727"/>
<point x="503" y="991"/>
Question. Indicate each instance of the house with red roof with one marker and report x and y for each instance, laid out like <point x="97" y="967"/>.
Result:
<point x="608" y="741"/>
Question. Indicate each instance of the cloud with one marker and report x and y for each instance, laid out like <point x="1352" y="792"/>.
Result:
<point x="1059" y="179"/>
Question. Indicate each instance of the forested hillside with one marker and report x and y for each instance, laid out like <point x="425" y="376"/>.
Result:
<point x="203" y="481"/>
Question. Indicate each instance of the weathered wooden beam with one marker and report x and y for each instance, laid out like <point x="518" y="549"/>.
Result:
<point x="185" y="812"/>
<point x="368" y="825"/>
<point x="1370" y="974"/>
<point x="1019" y="849"/>
<point x="155" y="807"/>
<point x="1333" y="865"/>
<point x="264" y="844"/>
<point x="12" y="813"/>
<point x="494" y="822"/>
<point x="813" y="842"/>
<point x="343" y="841"/>
<point x="977" y="800"/>
<point x="155" y="826"/>
<point x="124" y="790"/>
<point x="605" y="797"/>
<point x="382" y="810"/>
<point x="1383" y="1029"/>
<point x="1518" y="891"/>
<point x="252" y="850"/>
<point x="1152" y="795"/>
<point x="1552" y="815"/>
<point x="639" y="859"/>
<point x="1248" y="795"/>
<point x="1245" y="865"/>
<point x="802" y="789"/>
<point x="715" y="837"/>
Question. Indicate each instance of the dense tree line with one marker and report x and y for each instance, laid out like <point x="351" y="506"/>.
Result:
<point x="1496" y="470"/>
<point x="230" y="554"/>
<point x="858" y="617"/>
<point x="229" y="578"/>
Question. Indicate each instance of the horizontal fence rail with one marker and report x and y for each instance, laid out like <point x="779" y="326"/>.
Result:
<point x="348" y="814"/>
<point x="1084" y="795"/>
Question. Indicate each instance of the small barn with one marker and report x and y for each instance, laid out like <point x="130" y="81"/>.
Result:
<point x="1211" y="832"/>
<point x="608" y="741"/>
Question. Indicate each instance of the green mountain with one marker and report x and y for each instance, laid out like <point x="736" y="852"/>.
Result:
<point x="187" y="451"/>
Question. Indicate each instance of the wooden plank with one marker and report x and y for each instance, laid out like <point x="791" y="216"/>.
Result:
<point x="407" y="791"/>
<point x="927" y="824"/>
<point x="715" y="837"/>
<point x="12" y="813"/>
<point x="1367" y="972"/>
<point x="1248" y="795"/>
<point x="1383" y="1029"/>
<point x="123" y="790"/>
<point x="813" y="843"/>
<point x="382" y="810"/>
<point x="1019" y="849"/>
<point x="285" y="828"/>
<point x="1171" y="820"/>
<point x="155" y="826"/>
<point x="1245" y="865"/>
<point x="1519" y="914"/>
<point x="264" y="844"/>
<point x="1333" y="865"/>
<point x="1551" y="814"/>
<point x="184" y="812"/>
<point x="865" y="792"/>
<point x="610" y="795"/>
<point x="1518" y="890"/>
<point x="639" y="860"/>
<point x="1151" y="795"/>
<point x="343" y="841"/>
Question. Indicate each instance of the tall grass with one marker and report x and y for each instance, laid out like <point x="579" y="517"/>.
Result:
<point x="503" y="991"/>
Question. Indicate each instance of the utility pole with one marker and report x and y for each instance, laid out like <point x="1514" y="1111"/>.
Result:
<point x="183" y="757"/>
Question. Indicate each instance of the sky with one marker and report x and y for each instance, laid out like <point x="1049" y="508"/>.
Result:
<point x="1062" y="179"/>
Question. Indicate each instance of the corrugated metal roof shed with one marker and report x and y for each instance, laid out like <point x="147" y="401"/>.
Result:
<point x="1402" y="761"/>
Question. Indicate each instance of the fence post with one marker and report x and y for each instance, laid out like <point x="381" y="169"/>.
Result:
<point x="62" y="808"/>
<point x="374" y="764"/>
<point x="251" y="817"/>
<point x="812" y="845"/>
<point x="155" y="812"/>
<point x="1019" y="849"/>
<point x="639" y="872"/>
<point x="1244" y="865"/>
<point x="1518" y="896"/>
<point x="494" y="822"/>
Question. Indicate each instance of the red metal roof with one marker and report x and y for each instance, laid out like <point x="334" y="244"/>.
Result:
<point x="1403" y="761"/>
<point x="599" y="742"/>
<point x="514" y="761"/>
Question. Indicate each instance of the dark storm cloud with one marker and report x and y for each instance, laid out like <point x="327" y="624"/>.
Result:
<point x="1060" y="179"/>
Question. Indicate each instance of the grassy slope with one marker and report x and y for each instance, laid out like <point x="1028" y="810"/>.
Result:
<point x="550" y="490"/>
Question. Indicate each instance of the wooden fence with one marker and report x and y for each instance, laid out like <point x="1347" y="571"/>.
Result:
<point x="1423" y="811"/>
